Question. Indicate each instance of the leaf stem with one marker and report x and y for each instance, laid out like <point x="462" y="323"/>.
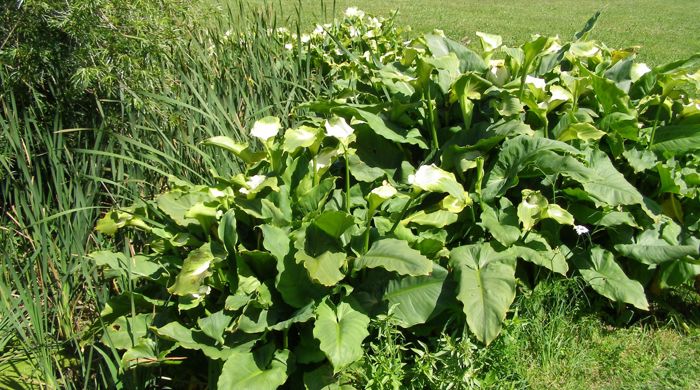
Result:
<point x="403" y="212"/>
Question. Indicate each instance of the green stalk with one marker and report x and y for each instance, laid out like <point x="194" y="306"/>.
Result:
<point x="479" y="177"/>
<point x="403" y="211"/>
<point x="347" y="180"/>
<point x="431" y="119"/>
<point x="365" y="245"/>
<point x="656" y="122"/>
<point x="526" y="68"/>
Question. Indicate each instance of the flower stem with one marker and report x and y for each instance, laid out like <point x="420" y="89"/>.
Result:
<point x="431" y="119"/>
<point x="347" y="180"/>
<point x="365" y="246"/>
<point x="656" y="122"/>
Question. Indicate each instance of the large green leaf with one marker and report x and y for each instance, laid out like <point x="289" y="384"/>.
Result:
<point x="215" y="325"/>
<point x="334" y="223"/>
<point x="244" y="371"/>
<point x="362" y="171"/>
<point x="441" y="46"/>
<point x="194" y="270"/>
<point x="276" y="241"/>
<point x="486" y="287"/>
<point x="395" y="255"/>
<point x="340" y="331"/>
<point x="227" y="231"/>
<point x="117" y="264"/>
<point x="675" y="273"/>
<point x="324" y="268"/>
<point x="176" y="204"/>
<point x="515" y="155"/>
<point x="416" y="297"/>
<point x="502" y="223"/>
<point x="126" y="330"/>
<point x="302" y="315"/>
<point x="651" y="249"/>
<point x="605" y="183"/>
<point x="597" y="217"/>
<point x="438" y="218"/>
<point x="143" y="352"/>
<point x="600" y="179"/>
<point x="193" y="339"/>
<point x="580" y="131"/>
<point x="606" y="277"/>
<point x="309" y="197"/>
<point x="677" y="140"/>
<point x="535" y="249"/>
<point x="611" y="98"/>
<point x="295" y="285"/>
<point x="383" y="127"/>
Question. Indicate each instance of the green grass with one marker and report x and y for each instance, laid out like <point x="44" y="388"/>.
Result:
<point x="559" y="341"/>
<point x="665" y="30"/>
<point x="554" y="338"/>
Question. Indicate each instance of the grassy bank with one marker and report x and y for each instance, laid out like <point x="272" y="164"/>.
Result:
<point x="664" y="30"/>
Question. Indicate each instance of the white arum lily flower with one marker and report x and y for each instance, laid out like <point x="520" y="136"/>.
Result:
<point x="266" y="128"/>
<point x="337" y="127"/>
<point x="354" y="11"/>
<point x="201" y="269"/>
<point x="253" y="183"/>
<point x="325" y="158"/>
<point x="581" y="230"/>
<point x="385" y="191"/>
<point x="217" y="193"/>
<point x="427" y="177"/>
<point x="553" y="48"/>
<point x="203" y="290"/>
<point x="638" y="70"/>
<point x="380" y="194"/>
<point x="498" y="74"/>
<point x="374" y="23"/>
<point x="535" y="82"/>
<point x="559" y="94"/>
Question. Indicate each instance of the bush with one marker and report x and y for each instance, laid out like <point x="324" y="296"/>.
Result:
<point x="426" y="185"/>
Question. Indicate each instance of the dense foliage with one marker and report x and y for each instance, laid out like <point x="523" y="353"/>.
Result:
<point x="430" y="183"/>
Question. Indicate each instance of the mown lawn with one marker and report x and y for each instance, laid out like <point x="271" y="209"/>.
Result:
<point x="664" y="30"/>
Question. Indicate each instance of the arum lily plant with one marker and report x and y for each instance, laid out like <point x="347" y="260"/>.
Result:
<point x="275" y="273"/>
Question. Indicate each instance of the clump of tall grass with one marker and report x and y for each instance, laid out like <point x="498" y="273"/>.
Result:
<point x="59" y="173"/>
